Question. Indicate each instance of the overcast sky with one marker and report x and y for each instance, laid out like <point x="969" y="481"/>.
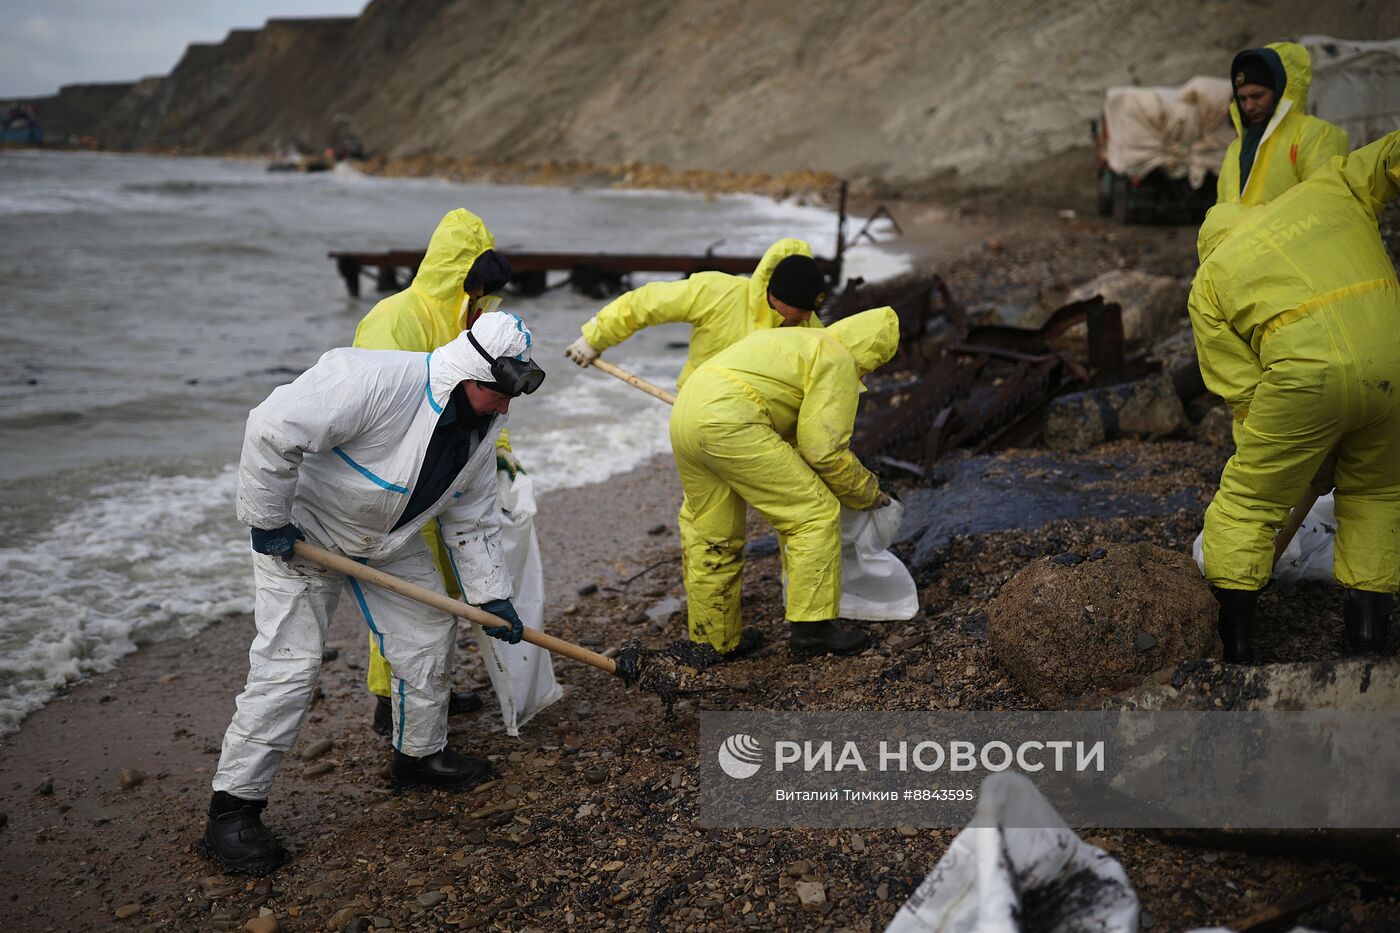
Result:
<point x="48" y="43"/>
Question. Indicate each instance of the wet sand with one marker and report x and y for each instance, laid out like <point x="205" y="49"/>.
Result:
<point x="77" y="846"/>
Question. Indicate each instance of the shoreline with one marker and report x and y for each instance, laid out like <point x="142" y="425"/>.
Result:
<point x="162" y="710"/>
<point x="595" y="821"/>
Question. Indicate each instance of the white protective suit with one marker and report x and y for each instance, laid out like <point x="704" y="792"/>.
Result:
<point x="335" y="453"/>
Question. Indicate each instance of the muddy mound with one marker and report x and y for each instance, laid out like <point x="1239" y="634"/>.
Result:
<point x="1068" y="624"/>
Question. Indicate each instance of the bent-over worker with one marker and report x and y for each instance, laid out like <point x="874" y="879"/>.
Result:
<point x="357" y="455"/>
<point x="1294" y="311"/>
<point x="768" y="422"/>
<point x="786" y="289"/>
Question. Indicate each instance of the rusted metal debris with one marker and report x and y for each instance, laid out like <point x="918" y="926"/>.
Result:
<point x="957" y="385"/>
<point x="597" y="275"/>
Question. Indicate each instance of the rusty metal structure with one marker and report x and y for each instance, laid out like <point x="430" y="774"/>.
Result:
<point x="596" y="275"/>
<point x="958" y="385"/>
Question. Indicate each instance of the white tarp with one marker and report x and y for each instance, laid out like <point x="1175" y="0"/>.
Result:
<point x="522" y="675"/>
<point x="999" y="878"/>
<point x="1356" y="85"/>
<point x="875" y="584"/>
<point x="1184" y="131"/>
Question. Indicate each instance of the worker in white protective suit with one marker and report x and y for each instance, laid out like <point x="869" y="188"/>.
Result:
<point x="357" y="455"/>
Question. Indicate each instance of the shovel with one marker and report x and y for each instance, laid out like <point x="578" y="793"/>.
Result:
<point x="1322" y="484"/>
<point x="650" y="388"/>
<point x="625" y="667"/>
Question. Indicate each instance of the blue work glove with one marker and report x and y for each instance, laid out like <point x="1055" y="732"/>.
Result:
<point x="503" y="608"/>
<point x="278" y="542"/>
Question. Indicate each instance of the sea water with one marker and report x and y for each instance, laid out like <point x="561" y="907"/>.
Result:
<point x="149" y="302"/>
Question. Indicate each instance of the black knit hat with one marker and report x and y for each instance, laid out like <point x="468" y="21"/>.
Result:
<point x="798" y="281"/>
<point x="1258" y="66"/>
<point x="490" y="272"/>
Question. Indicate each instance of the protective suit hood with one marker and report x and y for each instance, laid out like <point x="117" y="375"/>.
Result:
<point x="1220" y="220"/>
<point x="760" y="315"/>
<point x="871" y="337"/>
<point x="460" y="237"/>
<point x="1292" y="59"/>
<point x="500" y="333"/>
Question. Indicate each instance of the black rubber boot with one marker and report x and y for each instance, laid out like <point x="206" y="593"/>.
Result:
<point x="702" y="655"/>
<point x="1236" y="623"/>
<point x="463" y="701"/>
<point x="1367" y="616"/>
<point x="809" y="639"/>
<point x="235" y="838"/>
<point x="383" y="717"/>
<point x="447" y="768"/>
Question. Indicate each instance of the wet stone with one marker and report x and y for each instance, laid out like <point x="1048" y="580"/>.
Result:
<point x="127" y="910"/>
<point x="1144" y="641"/>
<point x="431" y="899"/>
<point x="317" y="749"/>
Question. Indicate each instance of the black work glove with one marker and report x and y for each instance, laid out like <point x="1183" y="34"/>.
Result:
<point x="278" y="542"/>
<point x="503" y="608"/>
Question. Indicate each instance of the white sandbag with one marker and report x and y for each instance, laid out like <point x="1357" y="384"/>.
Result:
<point x="994" y="873"/>
<point x="522" y="675"/>
<point x="875" y="585"/>
<point x="1307" y="557"/>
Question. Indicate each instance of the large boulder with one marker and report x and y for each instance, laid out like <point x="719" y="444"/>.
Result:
<point x="1147" y="408"/>
<point x="1068" y="624"/>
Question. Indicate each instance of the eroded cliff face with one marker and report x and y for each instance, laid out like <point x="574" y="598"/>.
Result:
<point x="913" y="92"/>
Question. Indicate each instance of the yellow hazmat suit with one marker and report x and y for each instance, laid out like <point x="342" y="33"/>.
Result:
<point x="768" y="421"/>
<point x="431" y="312"/>
<point x="722" y="309"/>
<point x="1294" y="145"/>
<point x="1295" y="309"/>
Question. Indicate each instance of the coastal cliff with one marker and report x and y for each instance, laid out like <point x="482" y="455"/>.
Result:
<point x="918" y="94"/>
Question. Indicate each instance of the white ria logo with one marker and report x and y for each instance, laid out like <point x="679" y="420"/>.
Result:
<point x="740" y="755"/>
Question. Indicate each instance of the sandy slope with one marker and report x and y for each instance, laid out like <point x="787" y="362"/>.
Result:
<point x="913" y="92"/>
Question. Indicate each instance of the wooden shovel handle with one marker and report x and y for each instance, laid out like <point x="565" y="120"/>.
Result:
<point x="650" y="388"/>
<point x="359" y="571"/>
<point x="1295" y="521"/>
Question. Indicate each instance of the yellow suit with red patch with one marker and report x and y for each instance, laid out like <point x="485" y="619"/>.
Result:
<point x="1294" y="145"/>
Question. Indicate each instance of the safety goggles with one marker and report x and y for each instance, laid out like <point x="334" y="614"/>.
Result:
<point x="510" y="376"/>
